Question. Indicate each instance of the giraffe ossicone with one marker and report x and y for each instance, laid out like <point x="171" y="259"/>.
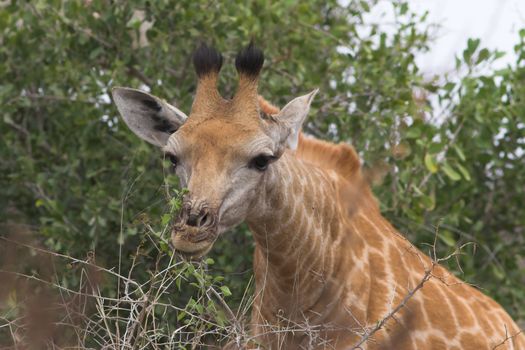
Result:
<point x="328" y="267"/>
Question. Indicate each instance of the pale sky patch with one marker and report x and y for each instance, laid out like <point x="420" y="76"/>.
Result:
<point x="495" y="22"/>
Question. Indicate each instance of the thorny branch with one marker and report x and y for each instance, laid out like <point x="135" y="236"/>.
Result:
<point x="507" y="337"/>
<point x="391" y="314"/>
<point x="135" y="328"/>
<point x="368" y="334"/>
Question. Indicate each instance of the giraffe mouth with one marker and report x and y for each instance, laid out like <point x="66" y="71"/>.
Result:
<point x="193" y="242"/>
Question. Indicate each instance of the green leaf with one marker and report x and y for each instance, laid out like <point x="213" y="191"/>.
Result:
<point x="463" y="171"/>
<point x="435" y="148"/>
<point x="451" y="173"/>
<point x="429" y="202"/>
<point x="180" y="315"/>
<point x="134" y="23"/>
<point x="473" y="44"/>
<point x="499" y="273"/>
<point x="165" y="219"/>
<point x="460" y="153"/>
<point x="199" y="308"/>
<point x="413" y="133"/>
<point x="403" y="9"/>
<point x="483" y="55"/>
<point x="218" y="278"/>
<point x="449" y="86"/>
<point x="164" y="246"/>
<point x="226" y="291"/>
<point x="447" y="237"/>
<point x="430" y="163"/>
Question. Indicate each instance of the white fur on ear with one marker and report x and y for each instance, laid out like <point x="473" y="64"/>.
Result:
<point x="149" y="117"/>
<point x="293" y="115"/>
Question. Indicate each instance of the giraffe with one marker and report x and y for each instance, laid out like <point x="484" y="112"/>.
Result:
<point x="329" y="270"/>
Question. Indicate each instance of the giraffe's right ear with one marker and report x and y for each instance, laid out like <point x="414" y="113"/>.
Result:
<point x="149" y="117"/>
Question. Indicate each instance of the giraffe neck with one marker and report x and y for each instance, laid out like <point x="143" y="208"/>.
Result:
<point x="298" y="230"/>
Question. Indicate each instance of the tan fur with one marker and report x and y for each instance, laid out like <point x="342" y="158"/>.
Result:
<point x="207" y="97"/>
<point x="246" y="98"/>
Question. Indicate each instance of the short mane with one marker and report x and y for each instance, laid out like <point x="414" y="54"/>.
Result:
<point x="341" y="158"/>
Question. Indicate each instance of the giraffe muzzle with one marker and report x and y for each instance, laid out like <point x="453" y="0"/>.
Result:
<point x="195" y="231"/>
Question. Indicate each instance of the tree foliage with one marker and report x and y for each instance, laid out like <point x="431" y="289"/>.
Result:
<point x="447" y="150"/>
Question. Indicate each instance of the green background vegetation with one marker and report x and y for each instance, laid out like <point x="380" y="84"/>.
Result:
<point x="445" y="151"/>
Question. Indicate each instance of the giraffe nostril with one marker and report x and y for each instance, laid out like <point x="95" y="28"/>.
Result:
<point x="204" y="219"/>
<point x="196" y="220"/>
<point x="197" y="215"/>
<point x="193" y="220"/>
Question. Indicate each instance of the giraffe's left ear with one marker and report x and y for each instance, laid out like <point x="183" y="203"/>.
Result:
<point x="293" y="115"/>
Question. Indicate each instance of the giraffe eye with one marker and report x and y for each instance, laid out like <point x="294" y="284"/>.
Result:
<point x="261" y="162"/>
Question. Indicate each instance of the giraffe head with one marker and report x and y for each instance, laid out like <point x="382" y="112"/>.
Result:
<point x="222" y="151"/>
